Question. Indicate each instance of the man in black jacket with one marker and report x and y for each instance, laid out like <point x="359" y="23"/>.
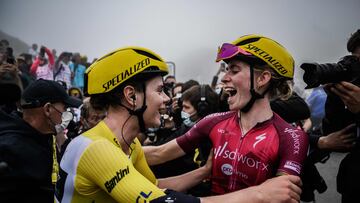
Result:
<point x="28" y="170"/>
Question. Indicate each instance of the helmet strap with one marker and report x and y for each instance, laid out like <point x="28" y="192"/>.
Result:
<point x="254" y="95"/>
<point x="139" y="113"/>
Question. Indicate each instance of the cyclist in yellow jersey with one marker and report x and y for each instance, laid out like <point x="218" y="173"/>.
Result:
<point x="107" y="163"/>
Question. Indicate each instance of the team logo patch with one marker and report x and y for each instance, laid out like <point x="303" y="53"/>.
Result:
<point x="143" y="197"/>
<point x="227" y="169"/>
<point x="294" y="166"/>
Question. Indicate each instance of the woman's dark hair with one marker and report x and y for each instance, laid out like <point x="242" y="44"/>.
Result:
<point x="10" y="84"/>
<point x="354" y="41"/>
<point x="211" y="103"/>
<point x="188" y="84"/>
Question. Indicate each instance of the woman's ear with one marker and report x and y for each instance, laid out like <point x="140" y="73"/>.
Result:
<point x="263" y="79"/>
<point x="129" y="95"/>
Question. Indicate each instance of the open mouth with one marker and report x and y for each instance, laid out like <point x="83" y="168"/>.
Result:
<point x="230" y="91"/>
<point x="163" y="111"/>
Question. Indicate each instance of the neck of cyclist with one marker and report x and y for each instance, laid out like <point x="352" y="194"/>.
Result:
<point x="123" y="126"/>
<point x="259" y="112"/>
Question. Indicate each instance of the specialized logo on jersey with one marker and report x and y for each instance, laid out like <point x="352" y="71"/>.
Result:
<point x="110" y="184"/>
<point x="143" y="197"/>
<point x="258" y="139"/>
<point x="295" y="136"/>
<point x="292" y="165"/>
<point x="222" y="152"/>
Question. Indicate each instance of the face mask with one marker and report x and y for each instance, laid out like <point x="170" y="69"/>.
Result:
<point x="218" y="90"/>
<point x="187" y="119"/>
<point x="66" y="117"/>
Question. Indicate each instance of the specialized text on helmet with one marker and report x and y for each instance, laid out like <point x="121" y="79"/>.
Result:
<point x="125" y="74"/>
<point x="267" y="57"/>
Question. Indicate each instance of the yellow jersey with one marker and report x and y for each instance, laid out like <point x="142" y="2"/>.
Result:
<point x="95" y="169"/>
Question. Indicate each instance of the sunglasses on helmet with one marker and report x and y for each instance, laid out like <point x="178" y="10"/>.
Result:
<point x="227" y="51"/>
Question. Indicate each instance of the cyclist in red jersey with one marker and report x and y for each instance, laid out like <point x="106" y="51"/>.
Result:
<point x="107" y="163"/>
<point x="251" y="143"/>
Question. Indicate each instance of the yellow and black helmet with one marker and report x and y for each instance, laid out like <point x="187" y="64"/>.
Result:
<point x="115" y="68"/>
<point x="255" y="47"/>
<point x="270" y="51"/>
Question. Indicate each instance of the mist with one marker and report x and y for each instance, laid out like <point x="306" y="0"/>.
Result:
<point x="187" y="33"/>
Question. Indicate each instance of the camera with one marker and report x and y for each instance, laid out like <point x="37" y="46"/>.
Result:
<point x="179" y="100"/>
<point x="42" y="52"/>
<point x="347" y="69"/>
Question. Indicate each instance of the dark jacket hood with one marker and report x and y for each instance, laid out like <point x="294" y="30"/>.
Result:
<point x="13" y="124"/>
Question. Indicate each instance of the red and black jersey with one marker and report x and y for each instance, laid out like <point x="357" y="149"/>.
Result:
<point x="241" y="161"/>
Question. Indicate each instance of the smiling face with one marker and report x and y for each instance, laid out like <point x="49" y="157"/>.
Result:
<point x="155" y="101"/>
<point x="236" y="83"/>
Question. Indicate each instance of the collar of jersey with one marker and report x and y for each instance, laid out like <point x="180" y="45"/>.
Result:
<point x="263" y="123"/>
<point x="103" y="131"/>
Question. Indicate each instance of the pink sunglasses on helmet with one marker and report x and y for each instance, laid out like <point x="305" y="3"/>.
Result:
<point x="227" y="51"/>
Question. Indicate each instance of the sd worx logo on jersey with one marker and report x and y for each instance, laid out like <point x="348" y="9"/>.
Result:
<point x="249" y="161"/>
<point x="120" y="174"/>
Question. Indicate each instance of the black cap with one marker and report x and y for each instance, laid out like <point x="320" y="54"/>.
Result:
<point x="42" y="91"/>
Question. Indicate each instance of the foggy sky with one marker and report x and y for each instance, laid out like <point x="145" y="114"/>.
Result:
<point x="185" y="32"/>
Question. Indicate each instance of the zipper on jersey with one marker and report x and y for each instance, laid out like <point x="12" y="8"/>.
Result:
<point x="235" y="163"/>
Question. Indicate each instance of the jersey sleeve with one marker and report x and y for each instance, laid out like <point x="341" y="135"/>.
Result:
<point x="190" y="140"/>
<point x="141" y="165"/>
<point x="109" y="168"/>
<point x="293" y="149"/>
<point x="200" y="131"/>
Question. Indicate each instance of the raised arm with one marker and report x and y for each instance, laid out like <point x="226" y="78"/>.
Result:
<point x="34" y="66"/>
<point x="185" y="143"/>
<point x="50" y="56"/>
<point x="163" y="153"/>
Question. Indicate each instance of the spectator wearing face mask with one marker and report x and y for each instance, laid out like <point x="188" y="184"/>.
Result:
<point x="27" y="144"/>
<point x="197" y="102"/>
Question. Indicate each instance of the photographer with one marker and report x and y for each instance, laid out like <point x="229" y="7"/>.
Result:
<point x="342" y="110"/>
